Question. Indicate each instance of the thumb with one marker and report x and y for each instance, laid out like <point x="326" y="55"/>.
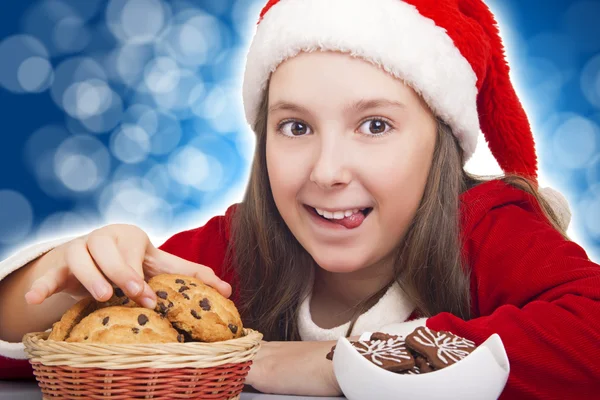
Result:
<point x="159" y="261"/>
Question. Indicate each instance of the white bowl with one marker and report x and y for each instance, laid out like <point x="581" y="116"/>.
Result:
<point x="481" y="375"/>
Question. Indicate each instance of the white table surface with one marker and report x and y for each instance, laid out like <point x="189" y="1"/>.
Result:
<point x="30" y="391"/>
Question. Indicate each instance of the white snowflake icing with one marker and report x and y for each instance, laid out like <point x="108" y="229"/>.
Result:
<point x="449" y="346"/>
<point x="393" y="350"/>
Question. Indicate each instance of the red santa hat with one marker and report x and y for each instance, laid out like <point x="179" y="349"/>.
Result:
<point x="449" y="51"/>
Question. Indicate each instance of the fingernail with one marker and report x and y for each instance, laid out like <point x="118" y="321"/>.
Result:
<point x="100" y="289"/>
<point x="148" y="302"/>
<point x="30" y="297"/>
<point x="133" y="288"/>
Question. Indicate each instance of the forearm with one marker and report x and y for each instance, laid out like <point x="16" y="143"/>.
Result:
<point x="17" y="317"/>
<point x="294" y="368"/>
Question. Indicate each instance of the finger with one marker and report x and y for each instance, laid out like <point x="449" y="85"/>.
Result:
<point x="133" y="252"/>
<point x="86" y="271"/>
<point x="107" y="256"/>
<point x="48" y="284"/>
<point x="177" y="265"/>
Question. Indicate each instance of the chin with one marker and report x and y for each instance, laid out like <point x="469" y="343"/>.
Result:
<point x="342" y="262"/>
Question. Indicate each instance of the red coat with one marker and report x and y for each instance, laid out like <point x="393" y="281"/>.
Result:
<point x="540" y="293"/>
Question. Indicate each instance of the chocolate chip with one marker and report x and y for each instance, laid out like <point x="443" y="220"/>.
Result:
<point x="85" y="338"/>
<point x="180" y="338"/>
<point x="162" y="308"/>
<point x="195" y="314"/>
<point x="193" y="284"/>
<point x="105" y="320"/>
<point x="185" y="296"/>
<point x="233" y="328"/>
<point x="183" y="289"/>
<point x="161" y="294"/>
<point x="171" y="304"/>
<point x="205" y="304"/>
<point x="180" y="281"/>
<point x="142" y="319"/>
<point x="186" y="337"/>
<point x="125" y="300"/>
<point x="119" y="292"/>
<point x="135" y="330"/>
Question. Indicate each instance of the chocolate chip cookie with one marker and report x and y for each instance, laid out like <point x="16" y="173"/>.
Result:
<point x="62" y="328"/>
<point x="124" y="325"/>
<point x="196" y="308"/>
<point x="119" y="298"/>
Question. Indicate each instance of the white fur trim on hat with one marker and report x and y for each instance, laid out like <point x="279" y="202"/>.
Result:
<point x="391" y="34"/>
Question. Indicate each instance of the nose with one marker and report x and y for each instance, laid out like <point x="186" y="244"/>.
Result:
<point x="330" y="168"/>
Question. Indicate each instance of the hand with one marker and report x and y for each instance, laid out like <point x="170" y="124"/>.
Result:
<point x="120" y="253"/>
<point x="294" y="368"/>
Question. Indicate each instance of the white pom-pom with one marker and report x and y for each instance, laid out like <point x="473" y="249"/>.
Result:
<point x="559" y="205"/>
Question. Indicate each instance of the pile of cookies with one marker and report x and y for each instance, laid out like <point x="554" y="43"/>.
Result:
<point x="423" y="351"/>
<point x="187" y="311"/>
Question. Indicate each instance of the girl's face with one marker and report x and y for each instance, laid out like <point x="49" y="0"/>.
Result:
<point x="347" y="140"/>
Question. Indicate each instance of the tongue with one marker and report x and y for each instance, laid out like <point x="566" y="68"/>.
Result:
<point x="350" y="222"/>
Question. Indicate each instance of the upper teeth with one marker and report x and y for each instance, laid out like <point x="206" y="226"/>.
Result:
<point x="337" y="214"/>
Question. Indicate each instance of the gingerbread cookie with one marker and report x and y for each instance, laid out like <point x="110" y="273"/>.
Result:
<point x="421" y="367"/>
<point x="329" y="355"/>
<point x="374" y="336"/>
<point x="196" y="308"/>
<point x="390" y="354"/>
<point x="62" y="329"/>
<point x="124" y="325"/>
<point x="382" y="336"/>
<point x="441" y="349"/>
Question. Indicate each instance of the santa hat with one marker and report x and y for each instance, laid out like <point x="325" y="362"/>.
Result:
<point x="448" y="51"/>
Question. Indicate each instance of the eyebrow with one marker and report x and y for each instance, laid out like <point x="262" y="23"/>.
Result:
<point x="359" y="106"/>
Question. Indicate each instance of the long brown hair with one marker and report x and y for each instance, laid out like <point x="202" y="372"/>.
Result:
<point x="273" y="269"/>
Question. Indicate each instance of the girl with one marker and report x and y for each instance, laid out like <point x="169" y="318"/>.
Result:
<point x="359" y="216"/>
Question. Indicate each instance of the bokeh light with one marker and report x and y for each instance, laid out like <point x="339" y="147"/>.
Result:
<point x="16" y="217"/>
<point x="24" y="65"/>
<point x="575" y="142"/>
<point x="137" y="21"/>
<point x="59" y="25"/>
<point x="81" y="163"/>
<point x="130" y="144"/>
<point x="590" y="81"/>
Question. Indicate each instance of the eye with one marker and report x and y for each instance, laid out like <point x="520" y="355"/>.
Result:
<point x="375" y="127"/>
<point x="293" y="128"/>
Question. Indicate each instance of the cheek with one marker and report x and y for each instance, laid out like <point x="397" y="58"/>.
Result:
<point x="397" y="182"/>
<point x="398" y="173"/>
<point x="285" y="173"/>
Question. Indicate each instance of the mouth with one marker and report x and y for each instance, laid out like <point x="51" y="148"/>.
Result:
<point x="348" y="221"/>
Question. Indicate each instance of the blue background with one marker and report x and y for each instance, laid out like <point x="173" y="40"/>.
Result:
<point x="154" y="134"/>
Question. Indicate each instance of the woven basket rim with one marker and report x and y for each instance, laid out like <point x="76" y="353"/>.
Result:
<point x="154" y="355"/>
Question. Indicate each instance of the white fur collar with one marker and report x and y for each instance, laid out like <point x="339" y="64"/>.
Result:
<point x="392" y="309"/>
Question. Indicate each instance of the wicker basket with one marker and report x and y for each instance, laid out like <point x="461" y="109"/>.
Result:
<point x="142" y="371"/>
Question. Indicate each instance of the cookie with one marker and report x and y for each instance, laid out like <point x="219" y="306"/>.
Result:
<point x="124" y="325"/>
<point x="374" y="336"/>
<point x="441" y="349"/>
<point x="422" y="364"/>
<point x="196" y="308"/>
<point x="382" y="336"/>
<point x="119" y="298"/>
<point x="329" y="355"/>
<point x="390" y="354"/>
<point x="421" y="367"/>
<point x="62" y="329"/>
